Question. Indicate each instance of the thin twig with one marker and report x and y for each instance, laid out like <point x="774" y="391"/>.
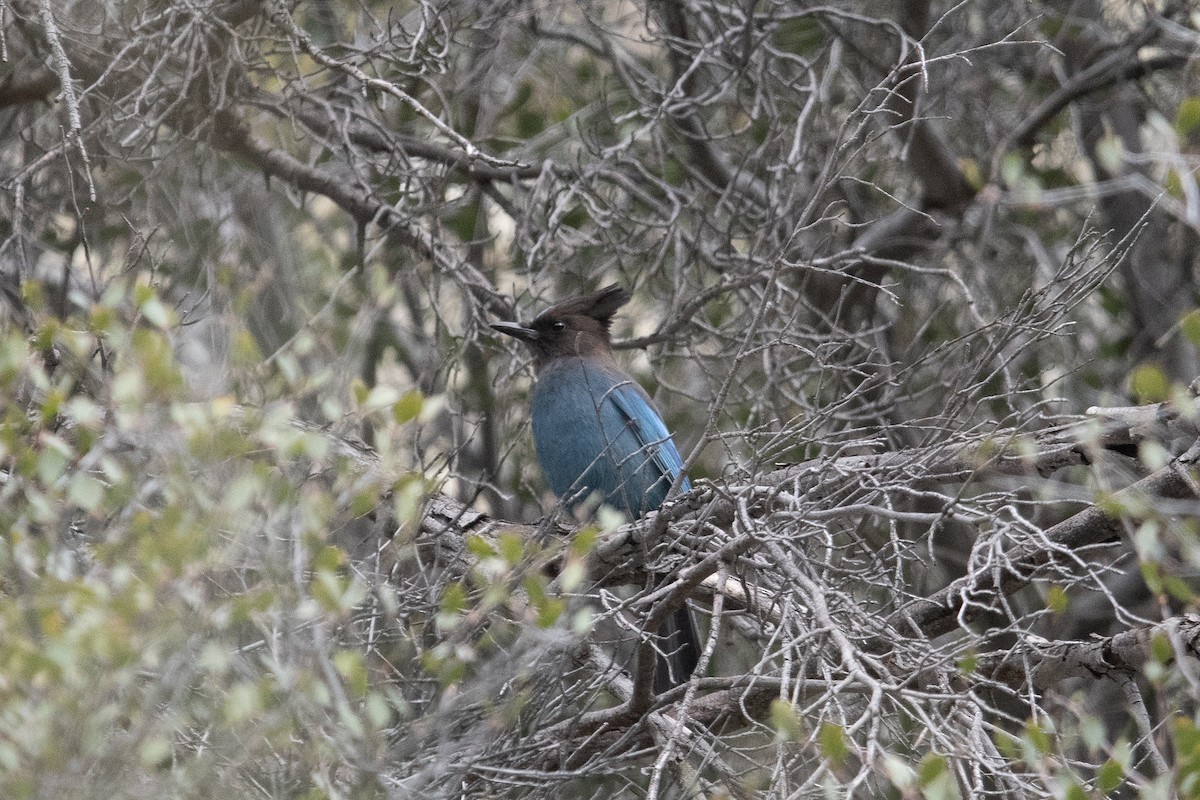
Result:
<point x="280" y="16"/>
<point x="67" y="89"/>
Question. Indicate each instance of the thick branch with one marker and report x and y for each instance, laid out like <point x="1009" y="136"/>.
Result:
<point x="1123" y="65"/>
<point x="378" y="140"/>
<point x="967" y="597"/>
<point x="1045" y="663"/>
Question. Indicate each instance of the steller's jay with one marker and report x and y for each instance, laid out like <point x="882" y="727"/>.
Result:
<point x="596" y="431"/>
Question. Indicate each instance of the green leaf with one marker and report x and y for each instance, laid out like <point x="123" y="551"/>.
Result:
<point x="328" y="558"/>
<point x="360" y="390"/>
<point x="1161" y="649"/>
<point x="85" y="412"/>
<point x="1187" y="756"/>
<point x="408" y="494"/>
<point x="511" y="547"/>
<point x="1178" y="588"/>
<point x="159" y="370"/>
<point x="972" y="172"/>
<point x="1075" y="791"/>
<point x="1057" y="600"/>
<point x="1110" y="775"/>
<point x="1153" y="455"/>
<point x="408" y="407"/>
<point x="786" y="721"/>
<point x="454" y="603"/>
<point x="935" y="778"/>
<point x="1187" y="118"/>
<point x="349" y="664"/>
<point x="550" y="611"/>
<point x="1039" y="737"/>
<point x="535" y="587"/>
<point x="244" y="350"/>
<point x="1152" y="575"/>
<point x="1190" y="324"/>
<point x="900" y="773"/>
<point x="479" y="547"/>
<point x="1149" y="384"/>
<point x="831" y="740"/>
<point x="585" y="541"/>
<point x="932" y="767"/>
<point x="364" y="502"/>
<point x="1173" y="183"/>
<point x="1092" y="731"/>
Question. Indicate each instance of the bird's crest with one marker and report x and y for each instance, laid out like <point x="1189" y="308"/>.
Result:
<point x="600" y="306"/>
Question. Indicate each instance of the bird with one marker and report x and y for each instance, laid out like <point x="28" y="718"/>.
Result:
<point x="598" y="435"/>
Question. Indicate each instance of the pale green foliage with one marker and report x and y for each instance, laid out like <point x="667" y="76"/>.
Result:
<point x="180" y="603"/>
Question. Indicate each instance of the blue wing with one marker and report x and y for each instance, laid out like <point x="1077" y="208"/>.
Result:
<point x="652" y="435"/>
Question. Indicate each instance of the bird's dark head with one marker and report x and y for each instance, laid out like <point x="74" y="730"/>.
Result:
<point x="575" y="327"/>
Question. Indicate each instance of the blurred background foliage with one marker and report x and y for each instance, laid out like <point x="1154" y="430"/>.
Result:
<point x="249" y="253"/>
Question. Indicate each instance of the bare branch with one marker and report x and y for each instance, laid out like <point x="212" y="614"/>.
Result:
<point x="966" y="598"/>
<point x="1122" y="656"/>
<point x="280" y="16"/>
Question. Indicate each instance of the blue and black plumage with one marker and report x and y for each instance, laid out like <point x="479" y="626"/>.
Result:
<point x="597" y="433"/>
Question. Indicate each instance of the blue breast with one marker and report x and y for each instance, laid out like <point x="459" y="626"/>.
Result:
<point x="596" y="430"/>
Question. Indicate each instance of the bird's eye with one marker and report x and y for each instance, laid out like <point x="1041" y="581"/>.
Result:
<point x="558" y="325"/>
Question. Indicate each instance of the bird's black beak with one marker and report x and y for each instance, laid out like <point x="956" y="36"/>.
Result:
<point x="516" y="331"/>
